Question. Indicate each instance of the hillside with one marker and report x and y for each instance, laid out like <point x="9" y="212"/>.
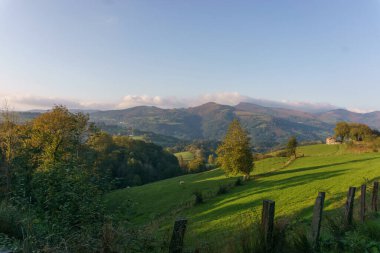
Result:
<point x="371" y="119"/>
<point x="268" y="127"/>
<point x="323" y="168"/>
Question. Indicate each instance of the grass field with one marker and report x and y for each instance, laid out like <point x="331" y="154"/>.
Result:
<point x="187" y="155"/>
<point x="294" y="188"/>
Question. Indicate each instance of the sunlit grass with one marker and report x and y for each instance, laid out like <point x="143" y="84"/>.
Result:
<point x="294" y="188"/>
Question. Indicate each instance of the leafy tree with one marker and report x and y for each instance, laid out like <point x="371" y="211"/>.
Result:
<point x="359" y="132"/>
<point x="196" y="165"/>
<point x="9" y="143"/>
<point x="353" y="131"/>
<point x="58" y="135"/>
<point x="66" y="201"/>
<point x="234" y="153"/>
<point x="342" y="130"/>
<point x="291" y="147"/>
<point x="211" y="159"/>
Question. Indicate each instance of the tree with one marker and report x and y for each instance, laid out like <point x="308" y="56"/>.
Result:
<point x="58" y="135"/>
<point x="196" y="165"/>
<point x="9" y="143"/>
<point x="359" y="132"/>
<point x="291" y="147"/>
<point x="211" y="159"/>
<point x="181" y="162"/>
<point x="234" y="153"/>
<point x="342" y="130"/>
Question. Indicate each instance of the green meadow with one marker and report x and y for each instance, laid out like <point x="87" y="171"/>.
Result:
<point x="187" y="155"/>
<point x="293" y="187"/>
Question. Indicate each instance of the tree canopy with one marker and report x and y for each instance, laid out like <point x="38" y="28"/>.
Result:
<point x="352" y="131"/>
<point x="291" y="147"/>
<point x="234" y="153"/>
<point x="58" y="165"/>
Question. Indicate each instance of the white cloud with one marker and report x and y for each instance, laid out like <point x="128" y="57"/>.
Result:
<point x="358" y="110"/>
<point x="225" y="98"/>
<point x="29" y="102"/>
<point x="135" y="100"/>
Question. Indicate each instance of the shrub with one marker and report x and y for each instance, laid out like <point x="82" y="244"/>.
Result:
<point x="198" y="197"/>
<point x="238" y="182"/>
<point x="223" y="189"/>
<point x="10" y="221"/>
<point x="68" y="207"/>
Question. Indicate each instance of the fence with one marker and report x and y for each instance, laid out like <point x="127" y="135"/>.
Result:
<point x="268" y="217"/>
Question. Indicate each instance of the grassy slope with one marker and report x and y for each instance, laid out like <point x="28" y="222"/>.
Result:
<point x="323" y="168"/>
<point x="187" y="155"/>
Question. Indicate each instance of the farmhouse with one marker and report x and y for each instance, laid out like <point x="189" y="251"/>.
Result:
<point x="332" y="141"/>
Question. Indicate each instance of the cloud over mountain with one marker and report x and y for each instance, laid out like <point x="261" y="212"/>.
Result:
<point x="227" y="98"/>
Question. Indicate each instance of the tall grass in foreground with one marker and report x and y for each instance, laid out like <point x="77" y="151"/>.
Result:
<point x="290" y="235"/>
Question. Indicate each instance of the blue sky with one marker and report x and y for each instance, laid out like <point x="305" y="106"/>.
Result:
<point x="120" y="53"/>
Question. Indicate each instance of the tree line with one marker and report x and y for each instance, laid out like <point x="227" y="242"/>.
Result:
<point x="55" y="169"/>
<point x="345" y="131"/>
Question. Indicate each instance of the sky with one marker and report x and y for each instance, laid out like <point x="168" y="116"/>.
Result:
<point x="106" y="54"/>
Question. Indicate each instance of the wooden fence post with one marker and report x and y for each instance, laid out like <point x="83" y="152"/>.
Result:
<point x="350" y="206"/>
<point x="317" y="218"/>
<point x="375" y="193"/>
<point x="363" y="191"/>
<point x="267" y="222"/>
<point x="176" y="243"/>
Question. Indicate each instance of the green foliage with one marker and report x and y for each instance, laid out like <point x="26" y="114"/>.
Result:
<point x="196" y="165"/>
<point x="234" y="154"/>
<point x="353" y="131"/>
<point x="223" y="189"/>
<point x="360" y="132"/>
<point x="211" y="159"/>
<point x="58" y="135"/>
<point x="10" y="220"/>
<point x="342" y="131"/>
<point x="9" y="244"/>
<point x="128" y="162"/>
<point x="364" y="237"/>
<point x="291" y="146"/>
<point x="198" y="197"/>
<point x="54" y="171"/>
<point x="66" y="198"/>
<point x="238" y="182"/>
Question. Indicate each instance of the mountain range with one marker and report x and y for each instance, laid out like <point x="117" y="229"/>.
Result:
<point x="267" y="126"/>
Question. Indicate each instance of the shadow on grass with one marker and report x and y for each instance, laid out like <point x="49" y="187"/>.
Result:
<point x="289" y="171"/>
<point x="222" y="207"/>
<point x="225" y="208"/>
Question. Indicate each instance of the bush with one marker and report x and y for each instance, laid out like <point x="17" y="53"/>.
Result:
<point x="238" y="182"/>
<point x="196" y="165"/>
<point x="10" y="221"/>
<point x="223" y="189"/>
<point x="68" y="206"/>
<point x="198" y="197"/>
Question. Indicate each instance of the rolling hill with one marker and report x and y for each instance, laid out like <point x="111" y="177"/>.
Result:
<point x="371" y="119"/>
<point x="268" y="127"/>
<point x="323" y="168"/>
